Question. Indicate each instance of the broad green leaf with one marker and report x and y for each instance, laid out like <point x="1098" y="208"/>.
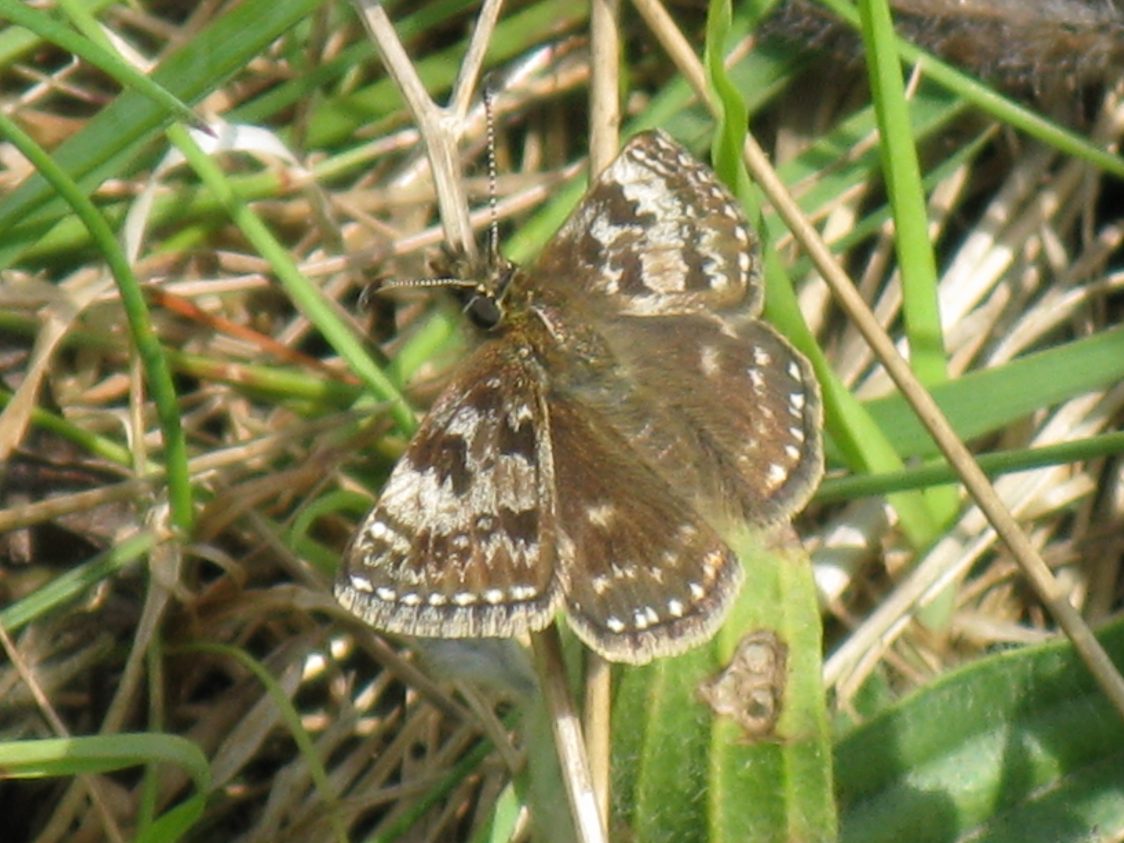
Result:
<point x="683" y="773"/>
<point x="1017" y="746"/>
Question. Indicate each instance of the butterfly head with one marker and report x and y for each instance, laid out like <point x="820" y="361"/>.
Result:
<point x="485" y="297"/>
<point x="480" y="284"/>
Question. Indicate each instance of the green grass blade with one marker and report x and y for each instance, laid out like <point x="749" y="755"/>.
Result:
<point x="158" y="376"/>
<point x="117" y="135"/>
<point x="902" y="173"/>
<point x="96" y="53"/>
<point x="1000" y="107"/>
<point x="292" y="721"/>
<point x="304" y="294"/>
<point x="61" y="757"/>
<point x="983" y="401"/>
<point x="75" y="582"/>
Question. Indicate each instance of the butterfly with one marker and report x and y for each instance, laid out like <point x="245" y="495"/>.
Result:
<point x="626" y="405"/>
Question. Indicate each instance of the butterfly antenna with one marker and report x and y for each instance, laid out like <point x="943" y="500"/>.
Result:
<point x="490" y="137"/>
<point x="414" y="283"/>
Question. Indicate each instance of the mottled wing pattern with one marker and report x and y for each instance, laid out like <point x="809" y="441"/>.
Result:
<point x="629" y="403"/>
<point x="673" y="409"/>
<point x="734" y="412"/>
<point x="644" y="575"/>
<point x="656" y="233"/>
<point x="462" y="541"/>
<point x="670" y="271"/>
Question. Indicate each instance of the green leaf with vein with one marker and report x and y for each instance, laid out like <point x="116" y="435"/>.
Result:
<point x="683" y="773"/>
<point x="1020" y="746"/>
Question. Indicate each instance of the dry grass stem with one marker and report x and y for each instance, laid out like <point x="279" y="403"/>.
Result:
<point x="310" y="725"/>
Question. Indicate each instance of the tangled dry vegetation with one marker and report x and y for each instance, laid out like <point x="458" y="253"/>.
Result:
<point x="229" y="636"/>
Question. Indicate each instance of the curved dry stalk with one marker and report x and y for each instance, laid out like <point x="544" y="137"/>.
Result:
<point x="440" y="128"/>
<point x="468" y="78"/>
<point x="605" y="121"/>
<point x="567" y="732"/>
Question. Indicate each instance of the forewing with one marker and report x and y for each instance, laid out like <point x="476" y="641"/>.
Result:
<point x="644" y="575"/>
<point x="462" y="541"/>
<point x="655" y="233"/>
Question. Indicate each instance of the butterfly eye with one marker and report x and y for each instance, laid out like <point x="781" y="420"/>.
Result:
<point x="484" y="311"/>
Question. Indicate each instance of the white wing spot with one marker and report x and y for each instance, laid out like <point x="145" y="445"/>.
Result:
<point x="675" y="607"/>
<point x="614" y="624"/>
<point x="494" y="596"/>
<point x="523" y="592"/>
<point x="708" y="361"/>
<point x="378" y="530"/>
<point x="713" y="563"/>
<point x="410" y="598"/>
<point x="438" y="599"/>
<point x="625" y="572"/>
<point x="522" y="413"/>
<point x="719" y="281"/>
<point x="761" y="357"/>
<point x="601" y="514"/>
<point x="697" y="591"/>
<point x="361" y="583"/>
<point x="387" y="594"/>
<point x="792" y="452"/>
<point x="777" y="474"/>
<point x="794" y="371"/>
<point x="797" y="433"/>
<point x="464" y="598"/>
